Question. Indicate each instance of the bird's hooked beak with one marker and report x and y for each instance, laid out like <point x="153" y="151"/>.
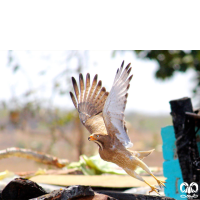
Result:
<point x="91" y="138"/>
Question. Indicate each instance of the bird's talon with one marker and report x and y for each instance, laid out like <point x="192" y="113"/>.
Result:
<point x="154" y="189"/>
<point x="161" y="183"/>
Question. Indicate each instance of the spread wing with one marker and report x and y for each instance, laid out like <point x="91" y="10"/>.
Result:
<point x="113" y="112"/>
<point x="89" y="101"/>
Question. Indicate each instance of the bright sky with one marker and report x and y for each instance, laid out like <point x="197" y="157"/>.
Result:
<point x="146" y="94"/>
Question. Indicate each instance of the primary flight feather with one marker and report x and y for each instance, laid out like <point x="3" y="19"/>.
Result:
<point x="102" y="113"/>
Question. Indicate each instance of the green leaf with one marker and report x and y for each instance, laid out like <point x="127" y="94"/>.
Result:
<point x="16" y="68"/>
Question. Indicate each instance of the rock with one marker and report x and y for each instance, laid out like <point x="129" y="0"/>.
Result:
<point x="77" y="192"/>
<point x="23" y="189"/>
<point x="54" y="195"/>
<point x="128" y="196"/>
<point x="20" y="188"/>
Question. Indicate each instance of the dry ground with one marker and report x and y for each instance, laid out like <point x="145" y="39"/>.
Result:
<point x="42" y="141"/>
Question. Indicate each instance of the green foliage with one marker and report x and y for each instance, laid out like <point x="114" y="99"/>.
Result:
<point x="21" y="144"/>
<point x="170" y="61"/>
<point x="62" y="119"/>
<point x="12" y="62"/>
<point x="94" y="165"/>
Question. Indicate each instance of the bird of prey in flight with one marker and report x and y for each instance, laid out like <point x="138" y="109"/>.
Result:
<point x="102" y="113"/>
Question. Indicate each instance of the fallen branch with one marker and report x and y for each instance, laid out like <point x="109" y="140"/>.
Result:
<point x="33" y="155"/>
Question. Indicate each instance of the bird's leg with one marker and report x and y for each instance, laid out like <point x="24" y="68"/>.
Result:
<point x="160" y="183"/>
<point x="141" y="164"/>
<point x="137" y="176"/>
<point x="153" y="189"/>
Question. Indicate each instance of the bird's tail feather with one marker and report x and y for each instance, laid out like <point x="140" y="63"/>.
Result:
<point x="142" y="154"/>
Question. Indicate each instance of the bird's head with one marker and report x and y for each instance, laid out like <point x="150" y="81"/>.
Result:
<point x="100" y="139"/>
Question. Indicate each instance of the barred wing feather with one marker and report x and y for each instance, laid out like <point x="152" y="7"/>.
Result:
<point x="113" y="112"/>
<point x="89" y="101"/>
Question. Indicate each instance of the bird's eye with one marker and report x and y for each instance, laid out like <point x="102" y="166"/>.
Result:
<point x="97" y="135"/>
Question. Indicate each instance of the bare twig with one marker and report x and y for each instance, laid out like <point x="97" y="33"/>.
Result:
<point x="33" y="155"/>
